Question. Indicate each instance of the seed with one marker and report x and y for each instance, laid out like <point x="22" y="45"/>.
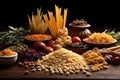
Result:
<point x="20" y="64"/>
<point x="77" y="71"/>
<point x="52" y="71"/>
<point x="26" y="66"/>
<point x="39" y="69"/>
<point x="26" y="63"/>
<point x="33" y="67"/>
<point x="67" y="73"/>
<point x="71" y="71"/>
<point x="26" y="72"/>
<point x="46" y="70"/>
<point x="88" y="73"/>
<point x="33" y="70"/>
<point x="84" y="71"/>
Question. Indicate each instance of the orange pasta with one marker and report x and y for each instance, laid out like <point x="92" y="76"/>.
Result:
<point x="7" y="52"/>
<point x="99" y="38"/>
<point x="38" y="37"/>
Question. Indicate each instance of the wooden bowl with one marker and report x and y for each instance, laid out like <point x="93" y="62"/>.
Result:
<point x="30" y="39"/>
<point x="79" y="50"/>
<point x="100" y="45"/>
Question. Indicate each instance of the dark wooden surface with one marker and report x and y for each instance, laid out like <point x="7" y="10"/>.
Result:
<point x="16" y="72"/>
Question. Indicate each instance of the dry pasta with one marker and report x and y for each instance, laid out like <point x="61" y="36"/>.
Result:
<point x="63" y="61"/>
<point x="99" y="38"/>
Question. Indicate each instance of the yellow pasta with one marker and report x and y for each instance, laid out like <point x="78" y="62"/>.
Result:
<point x="37" y="24"/>
<point x="99" y="38"/>
<point x="55" y="23"/>
<point x="33" y="22"/>
<point x="57" y="16"/>
<point x="65" y="16"/>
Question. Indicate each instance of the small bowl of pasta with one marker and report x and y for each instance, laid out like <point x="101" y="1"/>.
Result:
<point x="100" y="40"/>
<point x="8" y="57"/>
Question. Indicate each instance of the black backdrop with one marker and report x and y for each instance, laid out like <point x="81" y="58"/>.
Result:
<point x="99" y="13"/>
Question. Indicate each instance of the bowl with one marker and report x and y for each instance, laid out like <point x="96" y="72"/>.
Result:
<point x="31" y="38"/>
<point x="8" y="60"/>
<point x="77" y="50"/>
<point x="77" y="47"/>
<point x="38" y="37"/>
<point x="101" y="45"/>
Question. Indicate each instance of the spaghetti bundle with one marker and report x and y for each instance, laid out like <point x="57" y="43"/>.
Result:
<point x="56" y="22"/>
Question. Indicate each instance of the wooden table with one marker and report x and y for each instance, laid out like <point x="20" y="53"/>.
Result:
<point x="16" y="72"/>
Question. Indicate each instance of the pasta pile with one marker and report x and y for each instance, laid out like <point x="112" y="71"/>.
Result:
<point x="7" y="52"/>
<point x="63" y="61"/>
<point x="95" y="59"/>
<point x="99" y="38"/>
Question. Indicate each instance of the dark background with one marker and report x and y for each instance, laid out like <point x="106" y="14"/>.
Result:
<point x="99" y="13"/>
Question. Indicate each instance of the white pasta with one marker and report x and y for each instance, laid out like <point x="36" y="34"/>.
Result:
<point x="63" y="61"/>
